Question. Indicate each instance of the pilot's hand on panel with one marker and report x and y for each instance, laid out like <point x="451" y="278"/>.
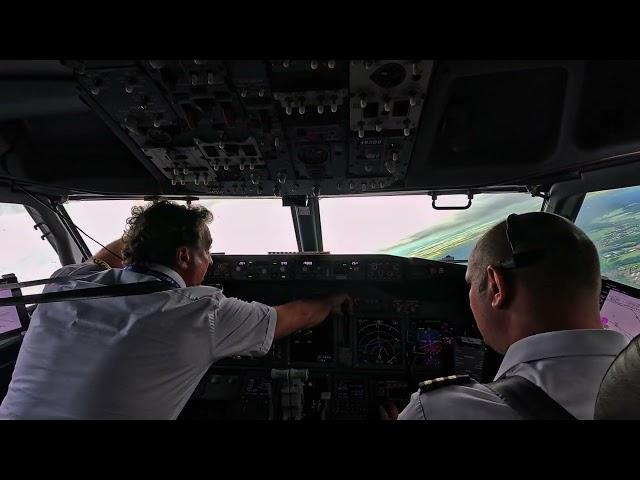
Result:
<point x="342" y="304"/>
<point x="388" y="410"/>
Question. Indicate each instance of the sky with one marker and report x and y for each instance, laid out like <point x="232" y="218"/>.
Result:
<point x="22" y="251"/>
<point x="240" y="226"/>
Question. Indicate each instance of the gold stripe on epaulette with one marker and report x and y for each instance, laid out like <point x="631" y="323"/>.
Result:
<point x="428" y="385"/>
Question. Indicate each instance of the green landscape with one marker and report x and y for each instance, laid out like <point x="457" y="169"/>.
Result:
<point x="612" y="221"/>
<point x="610" y="218"/>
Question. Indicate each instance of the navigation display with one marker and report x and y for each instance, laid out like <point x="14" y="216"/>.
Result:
<point x="379" y="342"/>
<point x="620" y="312"/>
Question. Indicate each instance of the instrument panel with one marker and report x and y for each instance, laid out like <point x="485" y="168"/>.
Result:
<point x="411" y="321"/>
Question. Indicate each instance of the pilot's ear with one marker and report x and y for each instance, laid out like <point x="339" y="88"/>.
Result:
<point x="183" y="257"/>
<point x="497" y="287"/>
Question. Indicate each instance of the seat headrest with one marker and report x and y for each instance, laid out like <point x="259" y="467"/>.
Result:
<point x="619" y="395"/>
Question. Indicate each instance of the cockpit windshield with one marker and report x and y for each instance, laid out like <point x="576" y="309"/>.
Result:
<point x="240" y="225"/>
<point x="403" y="225"/>
<point x="24" y="251"/>
<point x="408" y="226"/>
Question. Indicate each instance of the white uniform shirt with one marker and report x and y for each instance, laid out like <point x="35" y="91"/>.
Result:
<point x="568" y="365"/>
<point x="132" y="357"/>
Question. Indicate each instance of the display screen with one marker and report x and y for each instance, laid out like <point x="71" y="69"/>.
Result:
<point x="9" y="317"/>
<point x="431" y="344"/>
<point x="315" y="345"/>
<point x="379" y="342"/>
<point x="620" y="312"/>
<point x="469" y="357"/>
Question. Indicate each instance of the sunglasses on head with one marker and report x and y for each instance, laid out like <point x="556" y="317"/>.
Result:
<point x="521" y="255"/>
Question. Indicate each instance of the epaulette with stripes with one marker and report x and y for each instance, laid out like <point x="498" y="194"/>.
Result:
<point x="429" y="385"/>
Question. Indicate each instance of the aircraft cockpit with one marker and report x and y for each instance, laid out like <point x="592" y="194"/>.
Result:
<point x="368" y="177"/>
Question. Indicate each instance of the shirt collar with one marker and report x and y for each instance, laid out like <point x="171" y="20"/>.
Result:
<point x="562" y="343"/>
<point x="169" y="272"/>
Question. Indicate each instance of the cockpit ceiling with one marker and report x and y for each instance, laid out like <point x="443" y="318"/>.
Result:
<point x="311" y="127"/>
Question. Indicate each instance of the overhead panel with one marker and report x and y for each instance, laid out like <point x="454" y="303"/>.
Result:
<point x="277" y="127"/>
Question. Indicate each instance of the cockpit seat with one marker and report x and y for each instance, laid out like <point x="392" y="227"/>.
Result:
<point x="619" y="396"/>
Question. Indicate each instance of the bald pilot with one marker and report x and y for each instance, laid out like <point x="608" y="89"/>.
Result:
<point x="534" y="292"/>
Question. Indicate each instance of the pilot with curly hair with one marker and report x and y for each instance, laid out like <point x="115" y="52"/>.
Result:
<point x="142" y="356"/>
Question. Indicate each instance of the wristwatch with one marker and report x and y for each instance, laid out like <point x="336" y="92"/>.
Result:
<point x="102" y="264"/>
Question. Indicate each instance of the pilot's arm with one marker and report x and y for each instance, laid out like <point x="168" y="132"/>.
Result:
<point x="101" y="260"/>
<point x="105" y="255"/>
<point x="304" y="314"/>
<point x="249" y="328"/>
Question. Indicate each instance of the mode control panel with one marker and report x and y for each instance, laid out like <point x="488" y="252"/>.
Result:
<point x="325" y="267"/>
